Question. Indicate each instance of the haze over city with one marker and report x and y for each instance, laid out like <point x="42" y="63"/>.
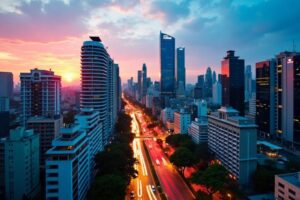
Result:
<point x="48" y="34"/>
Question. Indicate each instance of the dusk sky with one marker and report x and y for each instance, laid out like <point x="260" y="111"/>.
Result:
<point x="49" y="33"/>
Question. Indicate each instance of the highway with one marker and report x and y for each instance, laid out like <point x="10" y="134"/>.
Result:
<point x="171" y="182"/>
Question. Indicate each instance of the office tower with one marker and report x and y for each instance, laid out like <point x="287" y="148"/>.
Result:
<point x="7" y="84"/>
<point x="233" y="140"/>
<point x="139" y="85"/>
<point x="288" y="97"/>
<point x="89" y="121"/>
<point x="248" y="83"/>
<point x="40" y="94"/>
<point x="47" y="129"/>
<point x="208" y="83"/>
<point x="4" y="104"/>
<point x="214" y="77"/>
<point x="19" y="168"/>
<point x="167" y="68"/>
<point x="117" y="92"/>
<point x="182" y="121"/>
<point x="199" y="88"/>
<point x="287" y="186"/>
<point x="265" y="97"/>
<point x="180" y="55"/>
<point x="110" y="100"/>
<point x="252" y="107"/>
<point x="217" y="93"/>
<point x="67" y="165"/>
<point x="198" y="130"/>
<point x="233" y="82"/>
<point x="167" y="114"/>
<point x="201" y="108"/>
<point x="144" y="80"/>
<point x="94" y="80"/>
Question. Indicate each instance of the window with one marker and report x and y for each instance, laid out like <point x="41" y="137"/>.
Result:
<point x="292" y="192"/>
<point x="280" y="185"/>
<point x="291" y="198"/>
<point x="280" y="191"/>
<point x="53" y="190"/>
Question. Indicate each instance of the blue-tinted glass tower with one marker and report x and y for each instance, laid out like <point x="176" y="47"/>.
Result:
<point x="167" y="68"/>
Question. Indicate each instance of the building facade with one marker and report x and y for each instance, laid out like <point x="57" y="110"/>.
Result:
<point x="19" y="169"/>
<point x="40" y="94"/>
<point x="232" y="139"/>
<point x="182" y="121"/>
<point x="7" y="84"/>
<point x="67" y="165"/>
<point x="217" y="93"/>
<point x="198" y="130"/>
<point x="180" y="71"/>
<point x="167" y="68"/>
<point x="287" y="186"/>
<point x="233" y="82"/>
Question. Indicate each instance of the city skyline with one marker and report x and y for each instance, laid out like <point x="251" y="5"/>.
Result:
<point x="48" y="34"/>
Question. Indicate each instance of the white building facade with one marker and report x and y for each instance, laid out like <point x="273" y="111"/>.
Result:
<point x="182" y="121"/>
<point x="198" y="130"/>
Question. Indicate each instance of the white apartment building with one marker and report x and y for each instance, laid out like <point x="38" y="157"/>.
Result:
<point x="198" y="130"/>
<point x="233" y="140"/>
<point x="182" y="121"/>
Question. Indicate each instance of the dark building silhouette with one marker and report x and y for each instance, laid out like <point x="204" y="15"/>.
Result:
<point x="180" y="52"/>
<point x="233" y="82"/>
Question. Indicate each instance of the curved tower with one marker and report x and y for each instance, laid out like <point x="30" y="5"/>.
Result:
<point x="94" y="79"/>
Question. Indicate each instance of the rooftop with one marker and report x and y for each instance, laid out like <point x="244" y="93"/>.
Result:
<point x="292" y="178"/>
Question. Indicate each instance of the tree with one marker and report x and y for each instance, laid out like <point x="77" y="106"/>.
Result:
<point x="292" y="166"/>
<point x="202" y="196"/>
<point x="214" y="178"/>
<point x="108" y="187"/>
<point x="182" y="158"/>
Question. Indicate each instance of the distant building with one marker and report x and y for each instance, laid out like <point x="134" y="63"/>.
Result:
<point x="19" y="165"/>
<point x="139" y="85"/>
<point x="167" y="114"/>
<point x="7" y="84"/>
<point x="167" y="68"/>
<point x="180" y="75"/>
<point x="248" y="83"/>
<point x="233" y="140"/>
<point x="4" y="104"/>
<point x="208" y="84"/>
<point x="182" y="121"/>
<point x="287" y="186"/>
<point x="47" y="129"/>
<point x="198" y="92"/>
<point x="233" y="81"/>
<point x="198" y="130"/>
<point x="40" y="94"/>
<point x="67" y="165"/>
<point x="201" y="108"/>
<point x="217" y="93"/>
<point x="252" y="106"/>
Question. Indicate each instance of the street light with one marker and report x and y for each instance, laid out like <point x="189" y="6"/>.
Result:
<point x="229" y="195"/>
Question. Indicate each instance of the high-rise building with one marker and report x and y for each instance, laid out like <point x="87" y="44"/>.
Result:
<point x="40" y="94"/>
<point x="201" y="108"/>
<point x="4" y="104"/>
<point x="288" y="96"/>
<point x="89" y="121"/>
<point x="199" y="88"/>
<point x="214" y="77"/>
<point x="265" y="97"/>
<point x="139" y="85"/>
<point x="68" y="166"/>
<point x="198" y="130"/>
<point x="217" y="93"/>
<point x="180" y="55"/>
<point x="208" y="83"/>
<point x="7" y="84"/>
<point x="167" y="68"/>
<point x="19" y="166"/>
<point x="248" y="83"/>
<point x="167" y="114"/>
<point x="144" y="80"/>
<point x="47" y="129"/>
<point x="94" y="80"/>
<point x="233" y="82"/>
<point x="233" y="140"/>
<point x="182" y="121"/>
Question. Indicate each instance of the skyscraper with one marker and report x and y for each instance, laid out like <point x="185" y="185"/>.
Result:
<point x="167" y="68"/>
<point x="144" y="80"/>
<point x="139" y="85"/>
<point x="217" y="93"/>
<point x="94" y="80"/>
<point x="199" y="88"/>
<point x="248" y="83"/>
<point x="180" y="55"/>
<point x="265" y="97"/>
<point x="40" y="94"/>
<point x="214" y="77"/>
<point x="208" y="83"/>
<point x="233" y="82"/>
<point x="288" y="96"/>
<point x="7" y="84"/>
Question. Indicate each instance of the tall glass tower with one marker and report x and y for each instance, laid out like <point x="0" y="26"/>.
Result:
<point x="167" y="68"/>
<point x="233" y="82"/>
<point x="180" y="52"/>
<point x="94" y="80"/>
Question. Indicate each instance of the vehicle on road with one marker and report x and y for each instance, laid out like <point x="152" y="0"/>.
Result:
<point x="132" y="195"/>
<point x="157" y="162"/>
<point x="153" y="188"/>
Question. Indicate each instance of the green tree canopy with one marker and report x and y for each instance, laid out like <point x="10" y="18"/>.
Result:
<point x="182" y="158"/>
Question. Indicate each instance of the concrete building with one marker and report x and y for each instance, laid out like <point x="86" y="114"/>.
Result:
<point x="7" y="84"/>
<point x="67" y="165"/>
<point x="4" y="104"/>
<point x="40" y="94"/>
<point x="182" y="121"/>
<point x="201" y="108"/>
<point x="167" y="114"/>
<point x="217" y="93"/>
<point x="19" y="165"/>
<point x="180" y="70"/>
<point x="89" y="121"/>
<point x="287" y="186"/>
<point x="248" y="83"/>
<point x="47" y="129"/>
<point x="198" y="130"/>
<point x="233" y="140"/>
